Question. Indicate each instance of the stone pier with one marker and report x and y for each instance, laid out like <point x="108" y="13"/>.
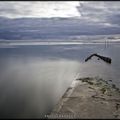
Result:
<point x="89" y="98"/>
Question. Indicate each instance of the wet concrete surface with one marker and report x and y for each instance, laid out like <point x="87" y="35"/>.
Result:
<point x="89" y="98"/>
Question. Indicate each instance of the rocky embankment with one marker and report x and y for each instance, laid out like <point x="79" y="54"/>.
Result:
<point x="89" y="98"/>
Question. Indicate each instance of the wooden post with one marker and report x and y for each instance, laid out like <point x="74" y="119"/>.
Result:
<point x="106" y="59"/>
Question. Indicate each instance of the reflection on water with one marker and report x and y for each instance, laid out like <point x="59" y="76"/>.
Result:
<point x="33" y="78"/>
<point x="31" y="88"/>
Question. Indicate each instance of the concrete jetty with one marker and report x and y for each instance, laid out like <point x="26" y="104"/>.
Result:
<point x="91" y="98"/>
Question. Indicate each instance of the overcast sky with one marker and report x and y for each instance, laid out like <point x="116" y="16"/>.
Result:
<point x="104" y="12"/>
<point x="39" y="9"/>
<point x="92" y="15"/>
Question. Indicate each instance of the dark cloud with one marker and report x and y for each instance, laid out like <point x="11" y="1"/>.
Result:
<point x="114" y="19"/>
<point x="94" y="18"/>
<point x="101" y="12"/>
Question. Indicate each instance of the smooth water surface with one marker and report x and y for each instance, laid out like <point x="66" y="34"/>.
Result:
<point x="33" y="78"/>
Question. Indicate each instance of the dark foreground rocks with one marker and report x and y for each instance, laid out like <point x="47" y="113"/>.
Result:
<point x="89" y="98"/>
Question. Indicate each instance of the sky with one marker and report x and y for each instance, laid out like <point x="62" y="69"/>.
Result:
<point x="39" y="9"/>
<point x="98" y="17"/>
<point x="104" y="12"/>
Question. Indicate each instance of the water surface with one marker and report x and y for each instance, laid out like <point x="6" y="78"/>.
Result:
<point x="34" y="77"/>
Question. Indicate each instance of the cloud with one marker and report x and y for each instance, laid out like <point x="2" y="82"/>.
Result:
<point x="39" y="9"/>
<point x="114" y="19"/>
<point x="104" y="12"/>
<point x="97" y="12"/>
<point x="12" y="9"/>
<point x="93" y="16"/>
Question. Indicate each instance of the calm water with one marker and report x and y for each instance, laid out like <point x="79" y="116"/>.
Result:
<point x="33" y="78"/>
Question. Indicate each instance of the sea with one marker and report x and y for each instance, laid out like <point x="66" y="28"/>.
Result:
<point x="35" y="74"/>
